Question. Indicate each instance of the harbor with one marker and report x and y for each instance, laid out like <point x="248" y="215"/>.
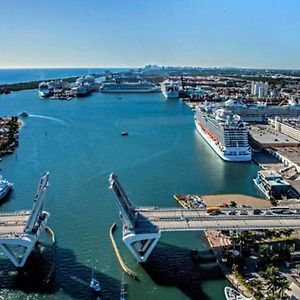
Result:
<point x="152" y="144"/>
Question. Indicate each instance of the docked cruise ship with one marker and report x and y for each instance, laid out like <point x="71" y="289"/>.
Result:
<point x="224" y="132"/>
<point x="170" y="89"/>
<point x="47" y="89"/>
<point x="129" y="87"/>
<point x="260" y="111"/>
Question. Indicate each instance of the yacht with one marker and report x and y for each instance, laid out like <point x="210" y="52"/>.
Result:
<point x="129" y="87"/>
<point x="273" y="186"/>
<point x="170" y="89"/>
<point x="225" y="133"/>
<point x="232" y="294"/>
<point x="5" y="187"/>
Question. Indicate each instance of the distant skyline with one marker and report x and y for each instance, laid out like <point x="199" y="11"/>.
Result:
<point x="134" y="33"/>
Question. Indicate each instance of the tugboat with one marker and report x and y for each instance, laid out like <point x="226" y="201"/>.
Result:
<point x="232" y="294"/>
<point x="94" y="284"/>
<point x="124" y="133"/>
<point x="5" y="187"/>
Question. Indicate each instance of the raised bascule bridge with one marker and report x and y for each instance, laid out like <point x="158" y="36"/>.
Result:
<point x="142" y="226"/>
<point x="20" y="231"/>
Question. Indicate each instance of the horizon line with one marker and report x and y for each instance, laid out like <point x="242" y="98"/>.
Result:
<point x="139" y="67"/>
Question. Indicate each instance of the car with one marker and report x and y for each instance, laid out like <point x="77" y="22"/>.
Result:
<point x="232" y="212"/>
<point x="243" y="212"/>
<point x="268" y="213"/>
<point x="257" y="211"/>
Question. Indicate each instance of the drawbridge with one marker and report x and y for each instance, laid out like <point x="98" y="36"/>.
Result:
<point x="20" y="231"/>
<point x="142" y="226"/>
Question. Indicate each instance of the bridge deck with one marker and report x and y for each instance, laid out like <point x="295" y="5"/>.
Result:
<point x="185" y="220"/>
<point x="12" y="225"/>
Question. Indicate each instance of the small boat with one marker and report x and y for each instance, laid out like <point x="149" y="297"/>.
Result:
<point x="124" y="133"/>
<point x="24" y="114"/>
<point x="5" y="187"/>
<point x="232" y="294"/>
<point x="94" y="284"/>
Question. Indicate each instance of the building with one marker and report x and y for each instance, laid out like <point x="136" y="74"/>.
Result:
<point x="289" y="127"/>
<point x="259" y="89"/>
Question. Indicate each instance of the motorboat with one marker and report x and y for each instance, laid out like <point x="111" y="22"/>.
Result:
<point x="94" y="284"/>
<point x="232" y="294"/>
<point x="24" y="114"/>
<point x="124" y="133"/>
<point x="5" y="187"/>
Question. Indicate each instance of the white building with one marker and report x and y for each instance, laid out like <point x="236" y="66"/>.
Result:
<point x="259" y="89"/>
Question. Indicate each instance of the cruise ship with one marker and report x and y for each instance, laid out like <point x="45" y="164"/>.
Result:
<point x="47" y="89"/>
<point x="129" y="87"/>
<point x="170" y="89"/>
<point x="260" y="111"/>
<point x="5" y="187"/>
<point x="224" y="132"/>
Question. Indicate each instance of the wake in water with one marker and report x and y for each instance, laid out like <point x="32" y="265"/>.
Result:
<point x="49" y="118"/>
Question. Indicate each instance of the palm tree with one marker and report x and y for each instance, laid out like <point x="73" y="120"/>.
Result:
<point x="276" y="284"/>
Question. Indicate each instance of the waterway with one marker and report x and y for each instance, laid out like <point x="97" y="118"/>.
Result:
<point x="79" y="142"/>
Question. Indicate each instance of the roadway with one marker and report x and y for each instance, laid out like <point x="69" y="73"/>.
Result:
<point x="199" y="219"/>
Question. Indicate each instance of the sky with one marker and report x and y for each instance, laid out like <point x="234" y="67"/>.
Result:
<point x="133" y="33"/>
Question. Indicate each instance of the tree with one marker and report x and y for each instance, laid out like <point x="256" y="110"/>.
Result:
<point x="276" y="284"/>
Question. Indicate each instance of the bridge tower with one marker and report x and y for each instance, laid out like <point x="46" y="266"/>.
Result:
<point x="140" y="241"/>
<point x="20" y="231"/>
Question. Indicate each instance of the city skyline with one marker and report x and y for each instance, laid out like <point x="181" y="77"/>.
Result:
<point x="248" y="34"/>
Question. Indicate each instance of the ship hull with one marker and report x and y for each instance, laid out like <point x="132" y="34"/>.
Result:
<point x="215" y="147"/>
<point x="170" y="95"/>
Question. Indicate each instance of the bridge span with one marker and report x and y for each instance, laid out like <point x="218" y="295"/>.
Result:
<point x="142" y="226"/>
<point x="20" y="231"/>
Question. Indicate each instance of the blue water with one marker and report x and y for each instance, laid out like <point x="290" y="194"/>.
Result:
<point x="23" y="75"/>
<point x="79" y="142"/>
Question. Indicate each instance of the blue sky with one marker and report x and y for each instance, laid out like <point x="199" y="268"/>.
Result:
<point x="116" y="33"/>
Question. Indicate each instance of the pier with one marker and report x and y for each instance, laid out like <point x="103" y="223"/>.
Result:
<point x="20" y="231"/>
<point x="142" y="226"/>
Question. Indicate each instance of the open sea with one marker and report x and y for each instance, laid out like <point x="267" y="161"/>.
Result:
<point x="79" y="142"/>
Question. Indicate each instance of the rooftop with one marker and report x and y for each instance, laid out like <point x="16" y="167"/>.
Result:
<point x="265" y="135"/>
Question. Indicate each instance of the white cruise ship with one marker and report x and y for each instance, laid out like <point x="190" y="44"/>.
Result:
<point x="47" y="89"/>
<point x="170" y="89"/>
<point x="129" y="87"/>
<point x="5" y="187"/>
<point x="224" y="132"/>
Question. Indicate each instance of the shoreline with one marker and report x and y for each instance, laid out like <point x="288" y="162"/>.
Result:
<point x="212" y="236"/>
<point x="9" y="134"/>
